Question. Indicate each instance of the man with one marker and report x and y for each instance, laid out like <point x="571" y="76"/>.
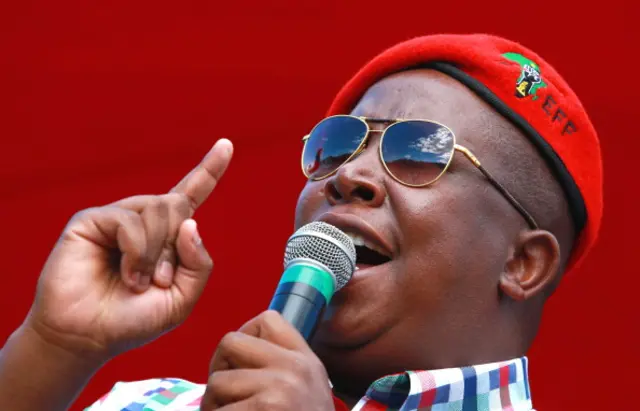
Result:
<point x="471" y="176"/>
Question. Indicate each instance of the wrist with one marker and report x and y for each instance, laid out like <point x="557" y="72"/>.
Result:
<point x="34" y="339"/>
<point x="35" y="374"/>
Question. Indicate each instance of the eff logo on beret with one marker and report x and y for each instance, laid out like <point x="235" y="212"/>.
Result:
<point x="530" y="79"/>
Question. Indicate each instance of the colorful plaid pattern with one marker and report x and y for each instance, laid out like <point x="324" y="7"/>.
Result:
<point x="497" y="386"/>
<point x="166" y="394"/>
<point x="500" y="386"/>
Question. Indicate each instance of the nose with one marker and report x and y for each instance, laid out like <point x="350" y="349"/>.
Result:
<point x="361" y="180"/>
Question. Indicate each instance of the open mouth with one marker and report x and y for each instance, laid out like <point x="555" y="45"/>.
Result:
<point x="372" y="248"/>
<point x="367" y="257"/>
<point x="368" y="254"/>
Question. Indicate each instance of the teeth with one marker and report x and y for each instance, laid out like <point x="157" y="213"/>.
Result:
<point x="361" y="242"/>
<point x="357" y="240"/>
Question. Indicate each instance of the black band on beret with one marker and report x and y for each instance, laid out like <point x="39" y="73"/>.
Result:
<point x="557" y="166"/>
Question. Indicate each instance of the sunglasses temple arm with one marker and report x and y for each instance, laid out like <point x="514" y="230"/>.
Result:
<point x="532" y="223"/>
<point x="530" y="220"/>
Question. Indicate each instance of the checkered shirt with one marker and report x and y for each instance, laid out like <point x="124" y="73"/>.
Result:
<point x="502" y="386"/>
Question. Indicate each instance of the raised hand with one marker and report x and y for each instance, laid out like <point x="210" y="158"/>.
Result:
<point x="122" y="274"/>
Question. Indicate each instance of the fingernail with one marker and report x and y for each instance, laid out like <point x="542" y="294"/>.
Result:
<point x="136" y="277"/>
<point x="196" y="236"/>
<point x="165" y="272"/>
<point x="228" y="143"/>
<point x="144" y="280"/>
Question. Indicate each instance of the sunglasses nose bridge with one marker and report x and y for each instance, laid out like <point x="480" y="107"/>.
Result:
<point x="366" y="156"/>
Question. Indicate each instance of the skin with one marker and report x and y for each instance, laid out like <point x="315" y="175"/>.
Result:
<point x="448" y="298"/>
<point x="119" y="276"/>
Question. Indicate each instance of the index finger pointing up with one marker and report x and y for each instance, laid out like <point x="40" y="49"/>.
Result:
<point x="200" y="182"/>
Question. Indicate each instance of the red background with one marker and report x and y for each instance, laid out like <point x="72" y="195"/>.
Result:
<point x="103" y="100"/>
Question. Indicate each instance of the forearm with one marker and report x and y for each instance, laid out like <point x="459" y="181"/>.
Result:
<point x="35" y="375"/>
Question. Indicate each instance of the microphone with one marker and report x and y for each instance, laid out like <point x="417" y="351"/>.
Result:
<point x="319" y="260"/>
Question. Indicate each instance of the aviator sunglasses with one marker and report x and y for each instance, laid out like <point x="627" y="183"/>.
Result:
<point x="415" y="153"/>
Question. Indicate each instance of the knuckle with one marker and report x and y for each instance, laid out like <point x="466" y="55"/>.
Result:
<point x="271" y="401"/>
<point x="83" y="215"/>
<point x="301" y="366"/>
<point x="208" y="399"/>
<point x="270" y="317"/>
<point x="316" y="367"/>
<point x="208" y="264"/>
<point x="214" y="382"/>
<point x="132" y="218"/>
<point x="180" y="203"/>
<point x="271" y="322"/>
<point x="288" y="383"/>
<point x="152" y="205"/>
<point x="160" y="205"/>
<point x="77" y="221"/>
<point x="230" y="340"/>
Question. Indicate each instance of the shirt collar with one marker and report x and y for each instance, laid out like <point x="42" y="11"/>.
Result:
<point x="494" y="386"/>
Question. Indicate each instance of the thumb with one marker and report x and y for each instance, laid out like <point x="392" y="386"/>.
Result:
<point x="195" y="264"/>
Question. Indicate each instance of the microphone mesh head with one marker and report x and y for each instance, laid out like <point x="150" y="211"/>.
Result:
<point x="325" y="244"/>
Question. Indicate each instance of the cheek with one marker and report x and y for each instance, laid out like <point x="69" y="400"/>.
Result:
<point x="450" y="245"/>
<point x="310" y="202"/>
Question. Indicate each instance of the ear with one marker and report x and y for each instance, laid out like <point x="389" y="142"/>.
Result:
<point x="532" y="265"/>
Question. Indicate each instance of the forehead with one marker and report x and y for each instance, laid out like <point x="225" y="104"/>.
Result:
<point x="423" y="94"/>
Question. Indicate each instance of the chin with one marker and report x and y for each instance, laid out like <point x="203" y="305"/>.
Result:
<point x="353" y="318"/>
<point x="353" y="346"/>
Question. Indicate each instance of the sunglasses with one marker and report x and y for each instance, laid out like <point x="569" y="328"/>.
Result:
<point x="415" y="153"/>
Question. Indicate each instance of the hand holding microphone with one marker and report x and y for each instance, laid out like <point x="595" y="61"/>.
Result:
<point x="267" y="364"/>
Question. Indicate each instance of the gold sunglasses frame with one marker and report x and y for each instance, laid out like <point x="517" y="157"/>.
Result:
<point x="456" y="147"/>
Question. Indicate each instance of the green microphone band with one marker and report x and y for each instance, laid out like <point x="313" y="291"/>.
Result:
<point x="311" y="275"/>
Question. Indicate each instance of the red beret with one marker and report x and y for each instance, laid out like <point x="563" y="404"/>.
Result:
<point x="526" y="90"/>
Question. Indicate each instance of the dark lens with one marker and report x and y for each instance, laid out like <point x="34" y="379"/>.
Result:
<point x="331" y="143"/>
<point x="417" y="152"/>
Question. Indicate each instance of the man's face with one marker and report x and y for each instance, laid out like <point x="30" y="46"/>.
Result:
<point x="437" y="295"/>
